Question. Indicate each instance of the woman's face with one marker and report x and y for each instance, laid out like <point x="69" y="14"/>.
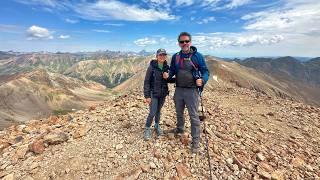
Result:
<point x="161" y="57"/>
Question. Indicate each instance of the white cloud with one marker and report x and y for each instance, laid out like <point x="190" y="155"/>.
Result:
<point x="164" y="40"/>
<point x="184" y="2"/>
<point x="210" y="2"/>
<point x="285" y="26"/>
<point x="38" y="33"/>
<point x="113" y="24"/>
<point x="50" y="4"/>
<point x="109" y="10"/>
<point x="303" y="18"/>
<point x="101" y="30"/>
<point x="209" y="42"/>
<point x="236" y="3"/>
<point x="206" y="20"/>
<point x="71" y="21"/>
<point x="222" y="40"/>
<point x="106" y="10"/>
<point x="145" y="41"/>
<point x="64" y="36"/>
<point x="157" y="3"/>
<point x="216" y="5"/>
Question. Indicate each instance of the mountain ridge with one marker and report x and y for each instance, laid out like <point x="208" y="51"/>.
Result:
<point x="251" y="135"/>
<point x="39" y="93"/>
<point x="119" y="75"/>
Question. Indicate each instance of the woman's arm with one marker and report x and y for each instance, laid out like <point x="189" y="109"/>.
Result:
<point x="147" y="83"/>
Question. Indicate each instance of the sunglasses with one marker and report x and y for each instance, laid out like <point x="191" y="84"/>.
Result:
<point x="185" y="41"/>
<point x="162" y="54"/>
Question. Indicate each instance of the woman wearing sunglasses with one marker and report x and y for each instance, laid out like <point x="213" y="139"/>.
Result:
<point x="155" y="91"/>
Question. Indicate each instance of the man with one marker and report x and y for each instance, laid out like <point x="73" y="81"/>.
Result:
<point x="191" y="74"/>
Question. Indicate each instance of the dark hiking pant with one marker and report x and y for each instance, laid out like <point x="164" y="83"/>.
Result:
<point x="155" y="110"/>
<point x="188" y="97"/>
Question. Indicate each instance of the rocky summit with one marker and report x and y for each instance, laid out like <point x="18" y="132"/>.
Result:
<point x="251" y="136"/>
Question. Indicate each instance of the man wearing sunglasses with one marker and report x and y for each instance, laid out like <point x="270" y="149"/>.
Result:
<point x="191" y="74"/>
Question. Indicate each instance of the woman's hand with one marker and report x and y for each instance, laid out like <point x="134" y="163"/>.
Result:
<point x="147" y="100"/>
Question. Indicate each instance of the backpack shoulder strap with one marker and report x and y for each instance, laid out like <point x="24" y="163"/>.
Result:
<point x="194" y="63"/>
<point x="178" y="58"/>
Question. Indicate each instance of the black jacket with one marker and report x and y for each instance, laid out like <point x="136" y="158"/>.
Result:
<point x="154" y="82"/>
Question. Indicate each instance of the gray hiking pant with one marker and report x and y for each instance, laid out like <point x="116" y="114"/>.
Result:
<point x="188" y="97"/>
<point x="155" y="110"/>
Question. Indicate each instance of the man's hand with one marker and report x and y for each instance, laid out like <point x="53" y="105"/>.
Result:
<point x="199" y="82"/>
<point x="147" y="100"/>
<point x="165" y="75"/>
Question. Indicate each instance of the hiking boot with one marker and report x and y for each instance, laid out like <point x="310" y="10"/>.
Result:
<point x="176" y="132"/>
<point x="147" y="134"/>
<point x="195" y="148"/>
<point x="158" y="129"/>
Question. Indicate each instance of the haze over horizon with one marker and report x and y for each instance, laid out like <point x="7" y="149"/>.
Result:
<point x="223" y="28"/>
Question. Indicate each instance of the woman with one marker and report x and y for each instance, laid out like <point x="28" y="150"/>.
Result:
<point x="155" y="91"/>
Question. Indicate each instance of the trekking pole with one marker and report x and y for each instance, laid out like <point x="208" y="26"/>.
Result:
<point x="202" y="118"/>
<point x="168" y="99"/>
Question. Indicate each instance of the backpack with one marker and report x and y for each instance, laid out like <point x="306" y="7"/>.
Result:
<point x="194" y="64"/>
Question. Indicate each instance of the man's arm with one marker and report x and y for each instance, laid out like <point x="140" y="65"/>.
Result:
<point x="166" y="76"/>
<point x="203" y="69"/>
<point x="172" y="69"/>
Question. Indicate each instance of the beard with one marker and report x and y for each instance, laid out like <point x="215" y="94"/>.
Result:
<point x="185" y="48"/>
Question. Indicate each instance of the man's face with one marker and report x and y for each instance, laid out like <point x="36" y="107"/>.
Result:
<point x="184" y="43"/>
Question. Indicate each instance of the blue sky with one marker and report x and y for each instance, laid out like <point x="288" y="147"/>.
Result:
<point x="224" y="28"/>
